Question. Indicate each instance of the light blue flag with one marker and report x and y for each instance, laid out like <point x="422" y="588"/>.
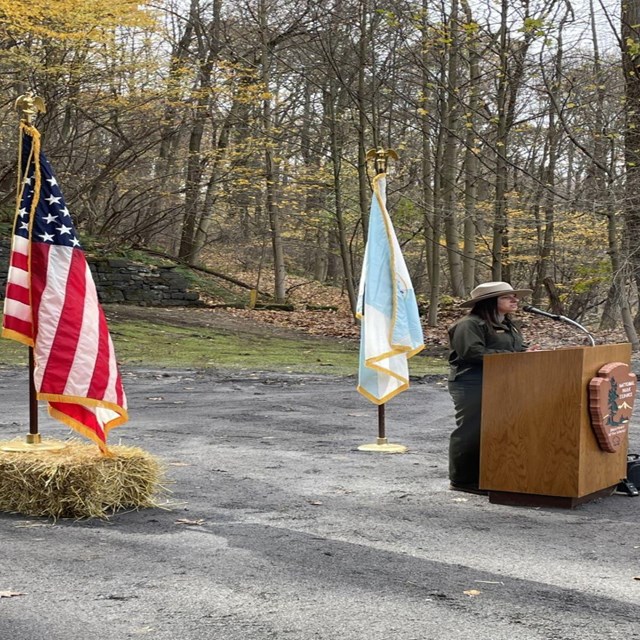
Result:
<point x="390" y="332"/>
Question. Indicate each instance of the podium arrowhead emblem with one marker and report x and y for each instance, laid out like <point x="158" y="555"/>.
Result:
<point x="611" y="396"/>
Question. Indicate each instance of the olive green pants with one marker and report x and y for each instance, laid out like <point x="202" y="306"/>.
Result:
<point x="464" y="443"/>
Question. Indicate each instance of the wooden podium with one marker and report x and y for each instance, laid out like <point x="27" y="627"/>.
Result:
<point x="537" y="445"/>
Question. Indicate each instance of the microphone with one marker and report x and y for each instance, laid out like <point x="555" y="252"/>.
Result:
<point x="529" y="309"/>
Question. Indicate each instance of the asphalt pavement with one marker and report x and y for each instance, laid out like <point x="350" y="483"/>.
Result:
<point x="274" y="525"/>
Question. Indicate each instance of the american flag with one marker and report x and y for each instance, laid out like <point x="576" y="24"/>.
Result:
<point x="51" y="304"/>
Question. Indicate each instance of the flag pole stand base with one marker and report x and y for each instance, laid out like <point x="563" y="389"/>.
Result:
<point x="32" y="443"/>
<point x="382" y="446"/>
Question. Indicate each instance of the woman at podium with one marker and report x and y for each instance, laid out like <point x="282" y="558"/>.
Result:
<point x="487" y="328"/>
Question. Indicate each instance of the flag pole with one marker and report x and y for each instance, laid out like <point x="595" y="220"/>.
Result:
<point x="381" y="157"/>
<point x="34" y="436"/>
<point x="28" y="105"/>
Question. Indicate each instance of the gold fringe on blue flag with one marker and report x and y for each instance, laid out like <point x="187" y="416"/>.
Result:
<point x="391" y="331"/>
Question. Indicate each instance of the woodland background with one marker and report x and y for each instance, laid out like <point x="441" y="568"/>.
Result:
<point x="233" y="134"/>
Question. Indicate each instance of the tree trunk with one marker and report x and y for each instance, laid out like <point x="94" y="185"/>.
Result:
<point x="208" y="38"/>
<point x="434" y="291"/>
<point x="270" y="175"/>
<point x="320" y="257"/>
<point x="431" y="244"/>
<point x="509" y="83"/>
<point x="549" y="176"/>
<point x="364" y="192"/>
<point x="471" y="159"/>
<point x="192" y="189"/>
<point x="336" y="160"/>
<point x="500" y="203"/>
<point x="631" y="66"/>
<point x="449" y="165"/>
<point x="613" y="304"/>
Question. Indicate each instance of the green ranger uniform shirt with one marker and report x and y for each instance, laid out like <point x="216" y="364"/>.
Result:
<point x="471" y="339"/>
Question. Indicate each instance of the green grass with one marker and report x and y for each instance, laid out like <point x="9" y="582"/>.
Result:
<point x="161" y="345"/>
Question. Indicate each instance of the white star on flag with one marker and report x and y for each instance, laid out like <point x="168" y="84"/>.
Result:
<point x="23" y="212"/>
<point x="50" y="218"/>
<point x="65" y="212"/>
<point x="46" y="237"/>
<point x="52" y="181"/>
<point x="53" y="199"/>
<point x="62" y="230"/>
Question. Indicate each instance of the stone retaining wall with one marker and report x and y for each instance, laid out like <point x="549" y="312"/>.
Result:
<point x="118" y="280"/>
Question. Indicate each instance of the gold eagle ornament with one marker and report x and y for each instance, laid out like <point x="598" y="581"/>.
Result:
<point x="380" y="157"/>
<point x="28" y="105"/>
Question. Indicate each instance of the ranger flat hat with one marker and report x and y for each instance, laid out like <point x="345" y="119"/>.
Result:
<point x="493" y="290"/>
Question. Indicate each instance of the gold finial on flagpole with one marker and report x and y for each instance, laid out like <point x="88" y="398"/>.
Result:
<point x="28" y="105"/>
<point x="380" y="157"/>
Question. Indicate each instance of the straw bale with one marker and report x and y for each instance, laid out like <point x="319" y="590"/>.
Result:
<point x="78" y="481"/>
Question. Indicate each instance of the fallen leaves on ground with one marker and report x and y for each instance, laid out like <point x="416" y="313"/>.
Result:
<point x="11" y="594"/>
<point x="334" y="324"/>
<point x="547" y="333"/>
<point x="188" y="522"/>
<point x="472" y="592"/>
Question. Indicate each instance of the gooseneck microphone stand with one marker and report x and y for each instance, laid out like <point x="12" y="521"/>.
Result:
<point x="554" y="316"/>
